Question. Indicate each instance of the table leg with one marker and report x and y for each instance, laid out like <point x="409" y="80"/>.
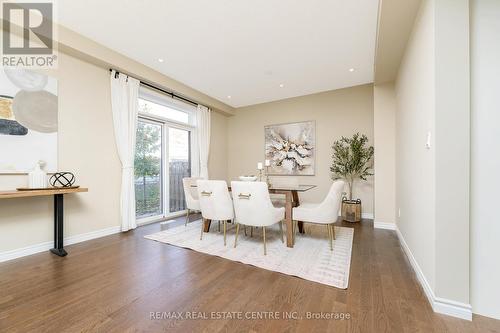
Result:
<point x="288" y="218"/>
<point x="296" y="203"/>
<point x="58" y="226"/>
<point x="206" y="228"/>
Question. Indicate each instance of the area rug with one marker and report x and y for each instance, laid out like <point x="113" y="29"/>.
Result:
<point x="310" y="258"/>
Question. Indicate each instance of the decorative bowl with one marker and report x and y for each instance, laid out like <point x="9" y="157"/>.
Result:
<point x="247" y="178"/>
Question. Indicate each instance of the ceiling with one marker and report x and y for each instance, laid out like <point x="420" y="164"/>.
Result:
<point x="391" y="42"/>
<point x="241" y="49"/>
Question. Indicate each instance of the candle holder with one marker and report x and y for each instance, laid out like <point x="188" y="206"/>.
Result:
<point x="267" y="177"/>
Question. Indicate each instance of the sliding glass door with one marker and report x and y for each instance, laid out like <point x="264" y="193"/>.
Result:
<point x="162" y="160"/>
<point x="148" y="169"/>
<point x="179" y="166"/>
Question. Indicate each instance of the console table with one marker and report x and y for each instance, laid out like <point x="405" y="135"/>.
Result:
<point x="58" y="194"/>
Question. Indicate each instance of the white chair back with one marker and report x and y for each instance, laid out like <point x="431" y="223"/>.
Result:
<point x="252" y="204"/>
<point x="191" y="193"/>
<point x="215" y="201"/>
<point x="328" y="210"/>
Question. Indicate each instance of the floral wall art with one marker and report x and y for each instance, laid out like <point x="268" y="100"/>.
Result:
<point x="291" y="148"/>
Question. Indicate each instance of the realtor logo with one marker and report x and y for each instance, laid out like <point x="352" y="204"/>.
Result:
<point x="28" y="34"/>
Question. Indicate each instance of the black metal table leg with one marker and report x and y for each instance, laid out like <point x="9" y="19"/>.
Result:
<point x="58" y="226"/>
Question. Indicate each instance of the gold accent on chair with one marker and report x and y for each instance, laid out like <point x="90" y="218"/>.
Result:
<point x="264" y="237"/>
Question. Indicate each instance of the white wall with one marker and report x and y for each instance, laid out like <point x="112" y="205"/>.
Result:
<point x="384" y="132"/>
<point x="485" y="157"/>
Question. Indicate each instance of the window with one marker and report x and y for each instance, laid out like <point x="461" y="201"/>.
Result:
<point x="158" y="110"/>
<point x="148" y="173"/>
<point x="163" y="155"/>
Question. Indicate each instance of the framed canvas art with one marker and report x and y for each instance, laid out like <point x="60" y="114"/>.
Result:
<point x="28" y="121"/>
<point x="291" y="148"/>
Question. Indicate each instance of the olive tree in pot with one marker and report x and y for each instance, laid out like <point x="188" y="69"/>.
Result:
<point x="352" y="160"/>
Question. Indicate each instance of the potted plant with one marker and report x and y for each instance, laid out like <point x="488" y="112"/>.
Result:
<point x="351" y="160"/>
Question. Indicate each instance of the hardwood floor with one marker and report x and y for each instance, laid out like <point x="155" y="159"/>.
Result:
<point x="112" y="284"/>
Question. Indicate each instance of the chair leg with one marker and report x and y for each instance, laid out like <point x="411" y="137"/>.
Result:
<point x="237" y="231"/>
<point x="225" y="222"/>
<point x="218" y="225"/>
<point x="187" y="218"/>
<point x="202" y="227"/>
<point x="333" y="231"/>
<point x="245" y="229"/>
<point x="330" y="235"/>
<point x="295" y="226"/>
<point x="251" y="231"/>
<point x="264" y="237"/>
<point x="281" y="231"/>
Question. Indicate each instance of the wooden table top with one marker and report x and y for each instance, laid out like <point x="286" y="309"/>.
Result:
<point x="37" y="193"/>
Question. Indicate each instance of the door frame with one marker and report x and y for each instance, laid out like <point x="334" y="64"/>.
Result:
<point x="166" y="124"/>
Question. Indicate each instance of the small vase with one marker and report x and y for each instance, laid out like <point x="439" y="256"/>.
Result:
<point x="37" y="178"/>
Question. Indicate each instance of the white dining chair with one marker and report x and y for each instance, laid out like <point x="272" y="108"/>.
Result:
<point x="325" y="213"/>
<point x="191" y="195"/>
<point x="253" y="207"/>
<point x="215" y="203"/>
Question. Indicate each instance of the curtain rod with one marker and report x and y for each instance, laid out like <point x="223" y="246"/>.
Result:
<point x="170" y="93"/>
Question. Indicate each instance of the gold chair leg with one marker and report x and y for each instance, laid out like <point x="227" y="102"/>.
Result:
<point x="330" y="236"/>
<point x="202" y="227"/>
<point x="245" y="229"/>
<point x="187" y="218"/>
<point x="218" y="225"/>
<point x="225" y="222"/>
<point x="264" y="237"/>
<point x="333" y="231"/>
<point x="295" y="226"/>
<point x="237" y="230"/>
<point x="281" y="231"/>
<point x="251" y="231"/>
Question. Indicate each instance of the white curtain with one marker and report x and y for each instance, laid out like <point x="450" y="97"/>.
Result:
<point x="203" y="136"/>
<point x="124" y="103"/>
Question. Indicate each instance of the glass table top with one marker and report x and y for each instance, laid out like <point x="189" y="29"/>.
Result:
<point x="298" y="188"/>
<point x="281" y="187"/>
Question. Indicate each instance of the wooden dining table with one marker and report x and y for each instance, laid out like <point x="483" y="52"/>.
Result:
<point x="291" y="194"/>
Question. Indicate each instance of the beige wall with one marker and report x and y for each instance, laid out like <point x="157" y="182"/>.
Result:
<point x="86" y="146"/>
<point x="433" y="183"/>
<point x="452" y="147"/>
<point x="217" y="163"/>
<point x="485" y="160"/>
<point x="384" y="128"/>
<point x="337" y="113"/>
<point x="415" y="189"/>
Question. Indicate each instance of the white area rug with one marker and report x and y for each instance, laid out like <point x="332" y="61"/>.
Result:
<point x="310" y="258"/>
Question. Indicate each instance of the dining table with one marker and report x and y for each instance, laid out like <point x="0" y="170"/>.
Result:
<point x="291" y="193"/>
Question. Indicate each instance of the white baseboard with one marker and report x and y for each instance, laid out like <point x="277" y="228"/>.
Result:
<point x="363" y="215"/>
<point x="384" y="225"/>
<point x="45" y="246"/>
<point x="367" y="216"/>
<point x="439" y="305"/>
